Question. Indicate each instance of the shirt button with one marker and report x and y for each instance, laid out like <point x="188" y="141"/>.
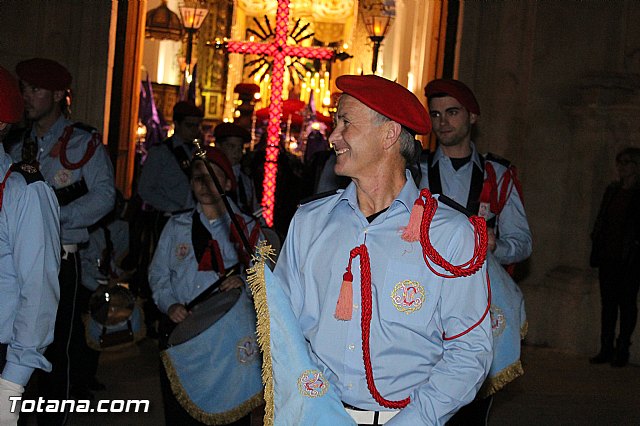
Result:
<point x="350" y="385"/>
<point x="356" y="306"/>
<point x="352" y="347"/>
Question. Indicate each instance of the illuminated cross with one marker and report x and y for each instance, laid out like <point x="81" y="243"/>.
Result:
<point x="279" y="50"/>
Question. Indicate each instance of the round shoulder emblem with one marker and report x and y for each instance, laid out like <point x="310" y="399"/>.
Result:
<point x="312" y="384"/>
<point x="28" y="168"/>
<point x="62" y="178"/>
<point x="247" y="350"/>
<point x="498" y="320"/>
<point x="408" y="296"/>
<point x="182" y="250"/>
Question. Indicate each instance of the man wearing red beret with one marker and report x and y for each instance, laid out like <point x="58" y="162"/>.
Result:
<point x="29" y="260"/>
<point x="73" y="160"/>
<point x="231" y="139"/>
<point x="164" y="189"/>
<point x="401" y="341"/>
<point x="164" y="180"/>
<point x="486" y="185"/>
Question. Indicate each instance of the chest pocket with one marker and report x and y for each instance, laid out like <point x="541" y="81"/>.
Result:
<point x="406" y="297"/>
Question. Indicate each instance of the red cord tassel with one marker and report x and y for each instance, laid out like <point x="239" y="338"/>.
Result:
<point x="412" y="231"/>
<point x="344" y="307"/>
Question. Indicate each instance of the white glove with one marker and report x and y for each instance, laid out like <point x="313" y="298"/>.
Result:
<point x="7" y="389"/>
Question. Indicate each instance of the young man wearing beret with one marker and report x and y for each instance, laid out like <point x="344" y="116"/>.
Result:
<point x="29" y="260"/>
<point x="73" y="160"/>
<point x="486" y="185"/>
<point x="231" y="138"/>
<point x="398" y="342"/>
<point x="164" y="189"/>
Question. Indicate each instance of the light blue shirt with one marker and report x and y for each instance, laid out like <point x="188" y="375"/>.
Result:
<point x="29" y="265"/>
<point x="163" y="184"/>
<point x="83" y="212"/>
<point x="173" y="273"/>
<point x="514" y="243"/>
<point x="408" y="353"/>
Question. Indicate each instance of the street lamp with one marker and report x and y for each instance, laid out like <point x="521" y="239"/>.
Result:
<point x="192" y="14"/>
<point x="377" y="16"/>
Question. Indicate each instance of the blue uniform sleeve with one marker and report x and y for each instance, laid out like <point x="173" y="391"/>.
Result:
<point x="35" y="239"/>
<point x="457" y="377"/>
<point x="159" y="272"/>
<point x="287" y="271"/>
<point x="91" y="207"/>
<point x="514" y="242"/>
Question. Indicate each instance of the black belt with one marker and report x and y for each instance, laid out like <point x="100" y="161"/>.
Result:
<point x="3" y="355"/>
<point x="374" y="417"/>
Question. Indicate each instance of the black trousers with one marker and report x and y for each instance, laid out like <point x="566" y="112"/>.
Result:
<point x="69" y="335"/>
<point x="618" y="293"/>
<point x="476" y="413"/>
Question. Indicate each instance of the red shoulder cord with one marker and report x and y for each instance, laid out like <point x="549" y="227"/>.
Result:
<point x="365" y="289"/>
<point x="96" y="140"/>
<point x="466" y="269"/>
<point x="429" y="254"/>
<point x="496" y="202"/>
<point x="4" y="182"/>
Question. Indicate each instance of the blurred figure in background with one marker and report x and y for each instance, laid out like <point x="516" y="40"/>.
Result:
<point x="616" y="254"/>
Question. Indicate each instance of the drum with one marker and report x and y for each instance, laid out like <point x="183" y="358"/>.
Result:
<point x="204" y="315"/>
<point x="115" y="319"/>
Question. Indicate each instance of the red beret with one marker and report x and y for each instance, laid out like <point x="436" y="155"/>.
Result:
<point x="227" y="130"/>
<point x="455" y="89"/>
<point x="249" y="88"/>
<point x="187" y="109"/>
<point x="44" y="73"/>
<point x="11" y="104"/>
<point x="387" y="98"/>
<point x="217" y="157"/>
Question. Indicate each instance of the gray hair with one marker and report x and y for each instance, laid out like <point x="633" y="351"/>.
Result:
<point x="409" y="147"/>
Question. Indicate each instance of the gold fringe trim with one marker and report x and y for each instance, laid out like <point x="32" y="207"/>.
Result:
<point x="258" y="284"/>
<point x="196" y="412"/>
<point x="494" y="384"/>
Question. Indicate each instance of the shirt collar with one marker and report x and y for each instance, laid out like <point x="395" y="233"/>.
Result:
<point x="56" y="129"/>
<point x="407" y="196"/>
<point x="475" y="156"/>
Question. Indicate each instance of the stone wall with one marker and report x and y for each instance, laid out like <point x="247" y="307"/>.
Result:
<point x="559" y="93"/>
<point x="72" y="32"/>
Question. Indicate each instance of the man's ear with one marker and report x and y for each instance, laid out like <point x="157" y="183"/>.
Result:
<point x="391" y="134"/>
<point x="58" y="95"/>
<point x="473" y="118"/>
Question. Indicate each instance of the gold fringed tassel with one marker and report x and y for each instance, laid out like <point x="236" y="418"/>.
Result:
<point x="258" y="284"/>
